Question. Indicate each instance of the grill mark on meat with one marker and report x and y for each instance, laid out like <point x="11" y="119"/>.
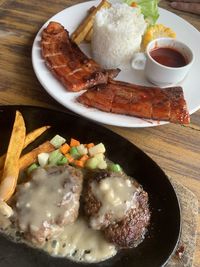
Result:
<point x="100" y="97"/>
<point x="140" y="101"/>
<point x="68" y="63"/>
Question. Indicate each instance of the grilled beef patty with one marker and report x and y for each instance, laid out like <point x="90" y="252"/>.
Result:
<point x="117" y="205"/>
<point x="47" y="202"/>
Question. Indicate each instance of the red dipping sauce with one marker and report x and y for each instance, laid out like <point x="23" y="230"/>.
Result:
<point x="168" y="56"/>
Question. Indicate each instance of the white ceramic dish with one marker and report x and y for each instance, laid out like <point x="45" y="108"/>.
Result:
<point x="70" y="18"/>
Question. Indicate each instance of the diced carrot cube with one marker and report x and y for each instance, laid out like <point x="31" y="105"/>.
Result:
<point x="79" y="163"/>
<point x="74" y="142"/>
<point x="134" y="4"/>
<point x="69" y="157"/>
<point x="89" y="145"/>
<point x="84" y="158"/>
<point x="64" y="148"/>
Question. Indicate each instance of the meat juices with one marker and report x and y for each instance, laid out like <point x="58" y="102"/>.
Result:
<point x="68" y="63"/>
<point x="117" y="205"/>
<point x="48" y="201"/>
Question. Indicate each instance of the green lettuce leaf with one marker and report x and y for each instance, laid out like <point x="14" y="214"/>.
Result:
<point x="149" y="9"/>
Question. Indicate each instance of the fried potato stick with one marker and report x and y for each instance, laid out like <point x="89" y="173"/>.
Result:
<point x="30" y="137"/>
<point x="11" y="167"/>
<point x="80" y="33"/>
<point x="31" y="156"/>
<point x="88" y="37"/>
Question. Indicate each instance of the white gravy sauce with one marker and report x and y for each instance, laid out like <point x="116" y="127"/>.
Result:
<point x="81" y="243"/>
<point x="117" y="196"/>
<point x="76" y="242"/>
<point x="45" y="198"/>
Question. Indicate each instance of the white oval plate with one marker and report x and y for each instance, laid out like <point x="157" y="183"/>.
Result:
<point x="70" y="19"/>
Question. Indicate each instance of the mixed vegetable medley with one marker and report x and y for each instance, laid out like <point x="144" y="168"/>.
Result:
<point x="89" y="156"/>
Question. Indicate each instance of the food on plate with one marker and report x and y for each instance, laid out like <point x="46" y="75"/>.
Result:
<point x="47" y="202"/>
<point x="10" y="171"/>
<point x="117" y="35"/>
<point x="88" y="37"/>
<point x="86" y="25"/>
<point x="81" y="243"/>
<point x="114" y="25"/>
<point x="47" y="208"/>
<point x="77" y="72"/>
<point x="68" y="63"/>
<point x="30" y="137"/>
<point x="31" y="156"/>
<point x="156" y="31"/>
<point x="168" y="56"/>
<point x="148" y="8"/>
<point x="141" y="101"/>
<point x="84" y="31"/>
<point x="117" y="205"/>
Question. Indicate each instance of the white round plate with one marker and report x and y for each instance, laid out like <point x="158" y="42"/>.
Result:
<point x="70" y="19"/>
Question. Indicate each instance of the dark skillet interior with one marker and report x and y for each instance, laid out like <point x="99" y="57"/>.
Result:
<point x="165" y="220"/>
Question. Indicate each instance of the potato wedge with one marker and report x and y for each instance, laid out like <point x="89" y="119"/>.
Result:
<point x="88" y="37"/>
<point x="80" y="33"/>
<point x="30" y="137"/>
<point x="31" y="156"/>
<point x="2" y="160"/>
<point x="11" y="167"/>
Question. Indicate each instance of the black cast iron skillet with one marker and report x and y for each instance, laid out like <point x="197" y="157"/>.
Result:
<point x="164" y="230"/>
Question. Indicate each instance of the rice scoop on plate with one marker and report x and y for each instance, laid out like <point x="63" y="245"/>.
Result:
<point x="117" y="35"/>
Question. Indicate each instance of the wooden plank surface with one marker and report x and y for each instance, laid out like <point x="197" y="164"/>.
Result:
<point x="175" y="148"/>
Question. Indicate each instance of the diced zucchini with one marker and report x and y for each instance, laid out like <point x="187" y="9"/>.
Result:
<point x="82" y="150"/>
<point x="62" y="161"/>
<point x="57" y="141"/>
<point x="91" y="163"/>
<point x="99" y="156"/>
<point x="100" y="148"/>
<point x="74" y="152"/>
<point x="54" y="157"/>
<point x="43" y="159"/>
<point x="97" y="161"/>
<point x="102" y="165"/>
<point x="114" y="167"/>
<point x="32" y="167"/>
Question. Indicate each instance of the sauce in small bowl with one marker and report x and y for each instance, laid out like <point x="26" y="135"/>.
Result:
<point x="168" y="56"/>
<point x="168" y="61"/>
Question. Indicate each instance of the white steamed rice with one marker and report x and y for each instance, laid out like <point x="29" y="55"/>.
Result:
<point x="117" y="35"/>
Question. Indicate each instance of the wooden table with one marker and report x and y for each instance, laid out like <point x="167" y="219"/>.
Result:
<point x="175" y="148"/>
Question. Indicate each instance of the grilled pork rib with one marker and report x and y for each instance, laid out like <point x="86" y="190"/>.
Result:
<point x="140" y="101"/>
<point x="70" y="65"/>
